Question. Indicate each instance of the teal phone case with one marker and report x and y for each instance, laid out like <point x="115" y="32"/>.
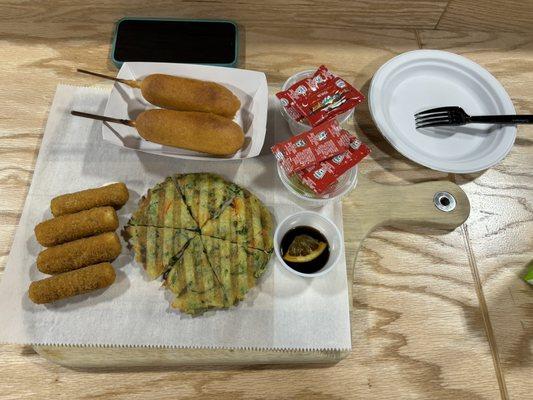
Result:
<point x="231" y="65"/>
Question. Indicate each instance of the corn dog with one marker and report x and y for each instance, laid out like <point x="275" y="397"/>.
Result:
<point x="72" y="283"/>
<point x="198" y="131"/>
<point x="185" y="94"/>
<point x="115" y="195"/>
<point x="76" y="226"/>
<point x="79" y="253"/>
<point x="182" y="94"/>
<point x="204" y="132"/>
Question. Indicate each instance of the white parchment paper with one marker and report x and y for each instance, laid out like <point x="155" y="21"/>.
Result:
<point x="283" y="312"/>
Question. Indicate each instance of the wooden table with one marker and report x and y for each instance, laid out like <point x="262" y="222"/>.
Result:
<point x="436" y="314"/>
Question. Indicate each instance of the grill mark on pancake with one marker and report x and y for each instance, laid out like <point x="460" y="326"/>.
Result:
<point x="161" y="227"/>
<point x="240" y="215"/>
<point x="162" y="207"/>
<point x="249" y="220"/>
<point x="235" y="266"/>
<point x="201" y="290"/>
<point x="220" y="295"/>
<point x="175" y="180"/>
<point x="156" y="247"/>
<point x="218" y="275"/>
<point x="150" y="249"/>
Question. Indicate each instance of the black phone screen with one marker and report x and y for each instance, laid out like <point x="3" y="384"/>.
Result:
<point x="176" y="41"/>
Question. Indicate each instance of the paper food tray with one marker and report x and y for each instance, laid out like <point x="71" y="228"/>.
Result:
<point x="126" y="102"/>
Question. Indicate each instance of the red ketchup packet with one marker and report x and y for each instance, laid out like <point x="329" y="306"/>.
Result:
<point x="311" y="147"/>
<point x="319" y="97"/>
<point x="288" y="104"/>
<point x="321" y="176"/>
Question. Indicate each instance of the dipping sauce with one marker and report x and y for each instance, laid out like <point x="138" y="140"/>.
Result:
<point x="307" y="267"/>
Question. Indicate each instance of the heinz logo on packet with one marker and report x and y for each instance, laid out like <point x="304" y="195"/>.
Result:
<point x="340" y="83"/>
<point x="338" y="159"/>
<point x="319" y="173"/>
<point x="301" y="89"/>
<point x="318" y="79"/>
<point x="322" y="136"/>
<point x="355" y="144"/>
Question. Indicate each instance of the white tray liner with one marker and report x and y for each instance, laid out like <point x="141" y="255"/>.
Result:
<point x="285" y="312"/>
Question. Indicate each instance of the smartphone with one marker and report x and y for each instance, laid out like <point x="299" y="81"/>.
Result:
<point x="212" y="42"/>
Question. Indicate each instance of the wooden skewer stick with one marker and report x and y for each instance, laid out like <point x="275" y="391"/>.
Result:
<point x="103" y="118"/>
<point x="132" y="83"/>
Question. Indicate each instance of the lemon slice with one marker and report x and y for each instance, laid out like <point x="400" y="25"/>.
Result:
<point x="304" y="248"/>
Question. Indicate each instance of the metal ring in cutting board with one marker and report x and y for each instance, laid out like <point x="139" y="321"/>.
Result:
<point x="444" y="201"/>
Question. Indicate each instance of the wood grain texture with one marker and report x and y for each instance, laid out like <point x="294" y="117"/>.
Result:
<point x="500" y="232"/>
<point x="418" y="329"/>
<point x="95" y="19"/>
<point x="89" y="21"/>
<point x="487" y="15"/>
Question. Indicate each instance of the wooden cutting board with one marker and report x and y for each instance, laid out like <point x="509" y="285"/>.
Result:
<point x="437" y="204"/>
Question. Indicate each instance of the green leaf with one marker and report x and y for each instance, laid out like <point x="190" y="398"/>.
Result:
<point x="528" y="277"/>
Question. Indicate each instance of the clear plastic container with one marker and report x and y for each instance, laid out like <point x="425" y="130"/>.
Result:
<point x="298" y="127"/>
<point x="305" y="197"/>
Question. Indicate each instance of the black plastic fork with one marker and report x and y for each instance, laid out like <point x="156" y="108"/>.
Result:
<point x="454" y="116"/>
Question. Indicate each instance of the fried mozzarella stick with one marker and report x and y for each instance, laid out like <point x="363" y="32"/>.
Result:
<point x="198" y="131"/>
<point x="183" y="94"/>
<point x="115" y="195"/>
<point x="68" y="227"/>
<point x="79" y="253"/>
<point x="72" y="283"/>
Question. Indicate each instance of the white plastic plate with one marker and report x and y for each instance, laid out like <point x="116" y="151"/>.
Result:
<point x="125" y="102"/>
<point x="424" y="79"/>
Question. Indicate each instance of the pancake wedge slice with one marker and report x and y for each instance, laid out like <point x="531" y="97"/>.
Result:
<point x="245" y="220"/>
<point x="163" y="207"/>
<point x="156" y="248"/>
<point x="206" y="194"/>
<point x="236" y="267"/>
<point x="193" y="281"/>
